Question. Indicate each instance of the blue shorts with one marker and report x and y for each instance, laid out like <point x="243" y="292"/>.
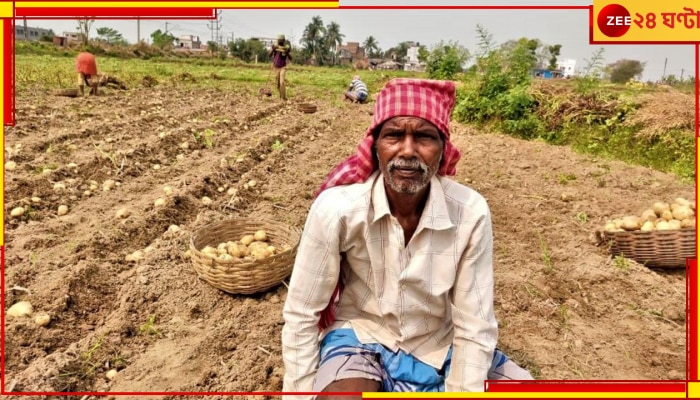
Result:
<point x="344" y="357"/>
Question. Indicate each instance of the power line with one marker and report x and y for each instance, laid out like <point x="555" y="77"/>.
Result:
<point x="215" y="26"/>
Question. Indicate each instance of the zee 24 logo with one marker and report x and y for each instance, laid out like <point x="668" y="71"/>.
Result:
<point x="615" y="20"/>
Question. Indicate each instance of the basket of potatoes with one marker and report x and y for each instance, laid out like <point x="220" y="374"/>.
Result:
<point x="243" y="255"/>
<point x="662" y="236"/>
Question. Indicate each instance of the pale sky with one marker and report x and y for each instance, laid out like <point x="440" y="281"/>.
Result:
<point x="566" y="27"/>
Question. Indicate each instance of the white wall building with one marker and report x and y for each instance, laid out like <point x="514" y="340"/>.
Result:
<point x="412" y="63"/>
<point x="567" y="67"/>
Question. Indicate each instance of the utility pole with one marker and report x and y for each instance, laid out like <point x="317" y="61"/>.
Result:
<point x="682" y="71"/>
<point x="215" y="26"/>
<point x="138" y="30"/>
<point x="665" y="62"/>
<point x="26" y="30"/>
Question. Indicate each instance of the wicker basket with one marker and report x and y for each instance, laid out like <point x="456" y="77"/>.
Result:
<point x="655" y="249"/>
<point x="243" y="276"/>
<point x="66" y="92"/>
<point x="307" y="108"/>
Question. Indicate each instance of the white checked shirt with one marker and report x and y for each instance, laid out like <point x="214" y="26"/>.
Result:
<point x="420" y="297"/>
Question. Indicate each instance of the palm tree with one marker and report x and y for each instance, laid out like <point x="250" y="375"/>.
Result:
<point x="313" y="34"/>
<point x="371" y="46"/>
<point x="333" y="39"/>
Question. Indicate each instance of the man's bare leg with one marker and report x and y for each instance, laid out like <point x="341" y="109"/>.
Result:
<point x="350" y="385"/>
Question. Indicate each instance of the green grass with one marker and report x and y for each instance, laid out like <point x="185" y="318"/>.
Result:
<point x="45" y="67"/>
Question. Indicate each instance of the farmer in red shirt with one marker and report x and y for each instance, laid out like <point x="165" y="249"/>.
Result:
<point x="281" y="54"/>
<point x="86" y="66"/>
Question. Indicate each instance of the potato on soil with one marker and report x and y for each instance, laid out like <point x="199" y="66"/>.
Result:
<point x="17" y="212"/>
<point x="20" y="309"/>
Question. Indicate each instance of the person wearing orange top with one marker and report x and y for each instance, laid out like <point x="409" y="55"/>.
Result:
<point x="86" y="66"/>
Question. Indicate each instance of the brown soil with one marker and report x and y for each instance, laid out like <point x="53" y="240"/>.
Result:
<point x="566" y="310"/>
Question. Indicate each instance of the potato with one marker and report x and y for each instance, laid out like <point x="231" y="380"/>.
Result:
<point x="20" y="309"/>
<point x="259" y="254"/>
<point x="610" y="227"/>
<point x="244" y="250"/>
<point x="42" y="319"/>
<point x="17" y="212"/>
<point x="225" y="257"/>
<point x="631" y="223"/>
<point x="221" y="248"/>
<point x="234" y="251"/>
<point x="647" y="226"/>
<point x="618" y="223"/>
<point x="648" y="215"/>
<point x="111" y="374"/>
<point x="662" y="225"/>
<point x="260" y="235"/>
<point x="660" y="206"/>
<point x="667" y="215"/>
<point x="688" y="223"/>
<point x="682" y="212"/>
<point x="681" y="201"/>
<point x="247" y="239"/>
<point x="674" y="224"/>
<point x="272" y="249"/>
<point x="62" y="210"/>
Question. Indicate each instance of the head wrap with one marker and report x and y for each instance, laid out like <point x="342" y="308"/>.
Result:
<point x="431" y="100"/>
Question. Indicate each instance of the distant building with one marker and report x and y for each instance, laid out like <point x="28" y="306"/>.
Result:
<point x="350" y="53"/>
<point x="567" y="67"/>
<point x="190" y="42"/>
<point x="544" y="73"/>
<point x="72" y="37"/>
<point x="412" y="63"/>
<point x="33" y="34"/>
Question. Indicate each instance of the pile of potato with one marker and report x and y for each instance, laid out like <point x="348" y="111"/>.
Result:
<point x="662" y="216"/>
<point x="248" y="248"/>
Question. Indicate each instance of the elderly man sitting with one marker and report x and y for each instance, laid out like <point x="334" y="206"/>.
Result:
<point x="393" y="287"/>
<point x="357" y="92"/>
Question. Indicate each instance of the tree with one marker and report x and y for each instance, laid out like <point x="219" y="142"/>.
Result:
<point x="423" y="53"/>
<point x="110" y="35"/>
<point x="554" y="52"/>
<point x="623" y="70"/>
<point x="84" y="26"/>
<point x="332" y="39"/>
<point x="312" y="38"/>
<point x="446" y="60"/>
<point x="47" y="37"/>
<point x="213" y="47"/>
<point x="594" y="67"/>
<point x="249" y="50"/>
<point x="399" y="51"/>
<point x="161" y="39"/>
<point x="372" y="47"/>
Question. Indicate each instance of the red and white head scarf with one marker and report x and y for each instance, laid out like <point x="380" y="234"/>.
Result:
<point x="431" y="100"/>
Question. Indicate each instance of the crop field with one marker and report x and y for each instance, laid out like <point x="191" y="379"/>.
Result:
<point x="566" y="308"/>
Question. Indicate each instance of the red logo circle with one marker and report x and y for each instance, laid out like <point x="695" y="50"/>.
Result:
<point x="614" y="20"/>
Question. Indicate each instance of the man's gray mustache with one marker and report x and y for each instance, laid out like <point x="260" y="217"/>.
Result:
<point x="407" y="164"/>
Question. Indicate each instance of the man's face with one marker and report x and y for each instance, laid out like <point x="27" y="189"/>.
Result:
<point x="409" y="151"/>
